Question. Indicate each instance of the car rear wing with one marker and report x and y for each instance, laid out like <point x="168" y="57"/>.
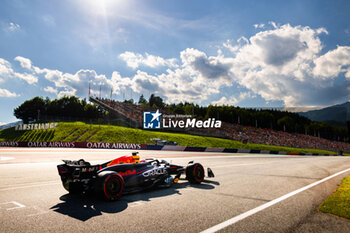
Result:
<point x="78" y="168"/>
<point x="76" y="163"/>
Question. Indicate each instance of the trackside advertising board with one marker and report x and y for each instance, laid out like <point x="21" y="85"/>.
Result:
<point x="92" y="145"/>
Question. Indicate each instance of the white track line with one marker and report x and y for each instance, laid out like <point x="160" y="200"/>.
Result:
<point x="18" y="205"/>
<point x="232" y="156"/>
<point x="238" y="165"/>
<point x="6" y="158"/>
<point x="268" y="204"/>
<point x="29" y="186"/>
<point x="26" y="184"/>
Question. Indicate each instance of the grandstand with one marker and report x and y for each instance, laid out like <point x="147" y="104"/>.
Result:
<point x="128" y="113"/>
<point x="133" y="115"/>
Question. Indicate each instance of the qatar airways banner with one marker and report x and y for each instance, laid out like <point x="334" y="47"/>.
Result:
<point x="93" y="145"/>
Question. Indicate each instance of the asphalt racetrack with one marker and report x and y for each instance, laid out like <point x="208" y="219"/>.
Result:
<point x="250" y="193"/>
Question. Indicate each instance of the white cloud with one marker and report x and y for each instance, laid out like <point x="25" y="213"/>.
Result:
<point x="278" y="64"/>
<point x="331" y="64"/>
<point x="24" y="62"/>
<point x="274" y="25"/>
<point x="50" y="90"/>
<point x="29" y="78"/>
<point x="7" y="93"/>
<point x="76" y="84"/>
<point x="13" y="27"/>
<point x="233" y="100"/>
<point x="70" y="92"/>
<point x="194" y="79"/>
<point x="5" y="68"/>
<point x="134" y="60"/>
<point x="261" y="25"/>
<point x="207" y="68"/>
<point x="234" y="48"/>
<point x="224" y="101"/>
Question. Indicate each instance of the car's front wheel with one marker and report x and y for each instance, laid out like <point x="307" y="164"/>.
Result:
<point x="195" y="173"/>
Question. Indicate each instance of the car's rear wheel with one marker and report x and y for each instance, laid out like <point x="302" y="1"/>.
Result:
<point x="112" y="185"/>
<point x="195" y="173"/>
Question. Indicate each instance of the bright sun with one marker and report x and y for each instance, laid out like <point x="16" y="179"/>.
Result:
<point x="102" y="7"/>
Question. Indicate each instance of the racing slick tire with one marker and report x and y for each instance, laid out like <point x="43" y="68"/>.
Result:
<point x="111" y="185"/>
<point x="195" y="173"/>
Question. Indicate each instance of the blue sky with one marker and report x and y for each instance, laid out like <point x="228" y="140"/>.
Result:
<point x="245" y="53"/>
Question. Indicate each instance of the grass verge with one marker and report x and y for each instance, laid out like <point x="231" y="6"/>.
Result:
<point x="339" y="202"/>
<point x="79" y="131"/>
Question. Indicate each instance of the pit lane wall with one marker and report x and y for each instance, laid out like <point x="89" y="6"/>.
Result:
<point x="136" y="146"/>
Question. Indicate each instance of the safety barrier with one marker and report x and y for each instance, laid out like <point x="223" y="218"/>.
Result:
<point x="136" y="146"/>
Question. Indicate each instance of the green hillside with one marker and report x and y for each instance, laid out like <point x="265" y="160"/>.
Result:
<point x="81" y="132"/>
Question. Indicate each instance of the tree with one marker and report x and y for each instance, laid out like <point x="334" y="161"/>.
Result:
<point x="179" y="109"/>
<point x="265" y="119"/>
<point x="142" y="100"/>
<point x="65" y="107"/>
<point x="189" y="109"/>
<point x="156" y="101"/>
<point x="286" y="123"/>
<point x="211" y="111"/>
<point x="30" y="109"/>
<point x="130" y="101"/>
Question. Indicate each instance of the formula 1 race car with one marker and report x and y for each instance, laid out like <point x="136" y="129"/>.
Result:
<point x="126" y="174"/>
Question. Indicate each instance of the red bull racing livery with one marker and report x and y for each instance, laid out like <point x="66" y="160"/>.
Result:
<point x="125" y="174"/>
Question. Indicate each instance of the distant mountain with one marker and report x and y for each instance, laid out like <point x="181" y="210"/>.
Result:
<point x="335" y="115"/>
<point x="9" y="125"/>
